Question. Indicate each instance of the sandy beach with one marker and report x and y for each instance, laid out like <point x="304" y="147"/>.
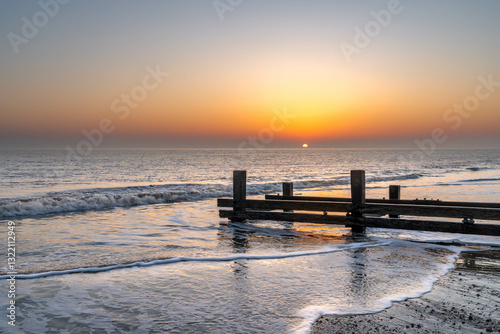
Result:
<point x="466" y="300"/>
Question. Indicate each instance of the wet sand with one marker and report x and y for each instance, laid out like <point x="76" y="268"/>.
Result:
<point x="466" y="300"/>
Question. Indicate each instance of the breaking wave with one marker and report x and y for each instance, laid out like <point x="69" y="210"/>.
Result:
<point x="109" y="198"/>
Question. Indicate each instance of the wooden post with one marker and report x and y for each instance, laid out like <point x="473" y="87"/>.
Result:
<point x="394" y="193"/>
<point x="358" y="187"/>
<point x="287" y="188"/>
<point x="357" y="196"/>
<point x="287" y="191"/>
<point x="239" y="190"/>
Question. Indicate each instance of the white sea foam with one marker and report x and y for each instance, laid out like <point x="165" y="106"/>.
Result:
<point x="437" y="237"/>
<point x="106" y="198"/>
<point x="325" y="250"/>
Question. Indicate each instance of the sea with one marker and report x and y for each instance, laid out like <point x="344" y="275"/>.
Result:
<point x="130" y="241"/>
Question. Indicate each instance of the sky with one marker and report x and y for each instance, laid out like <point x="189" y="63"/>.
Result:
<point x="249" y="73"/>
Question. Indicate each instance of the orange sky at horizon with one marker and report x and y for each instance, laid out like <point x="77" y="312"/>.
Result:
<point x="346" y="107"/>
<point x="321" y="111"/>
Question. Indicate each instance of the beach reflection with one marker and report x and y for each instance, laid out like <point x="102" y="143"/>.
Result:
<point x="285" y="236"/>
<point x="358" y="282"/>
<point x="485" y="261"/>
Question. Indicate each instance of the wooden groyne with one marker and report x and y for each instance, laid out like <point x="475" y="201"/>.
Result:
<point x="358" y="212"/>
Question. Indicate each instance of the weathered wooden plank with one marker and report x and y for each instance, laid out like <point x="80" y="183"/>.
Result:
<point x="432" y="211"/>
<point x="257" y="204"/>
<point x="405" y="224"/>
<point x="388" y="201"/>
<point x="283" y="216"/>
<point x="310" y="198"/>
<point x="367" y="208"/>
<point x="423" y="225"/>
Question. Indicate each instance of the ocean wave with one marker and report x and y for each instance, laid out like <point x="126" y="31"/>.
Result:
<point x="477" y="169"/>
<point x="482" y="180"/>
<point x="339" y="181"/>
<point x="412" y="176"/>
<point x="109" y="198"/>
<point x="324" y="250"/>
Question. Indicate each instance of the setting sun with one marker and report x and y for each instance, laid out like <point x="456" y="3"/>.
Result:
<point x="305" y="145"/>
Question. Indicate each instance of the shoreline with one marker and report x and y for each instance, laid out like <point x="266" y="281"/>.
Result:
<point x="465" y="300"/>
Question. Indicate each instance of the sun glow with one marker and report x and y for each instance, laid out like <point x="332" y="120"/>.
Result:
<point x="305" y="145"/>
